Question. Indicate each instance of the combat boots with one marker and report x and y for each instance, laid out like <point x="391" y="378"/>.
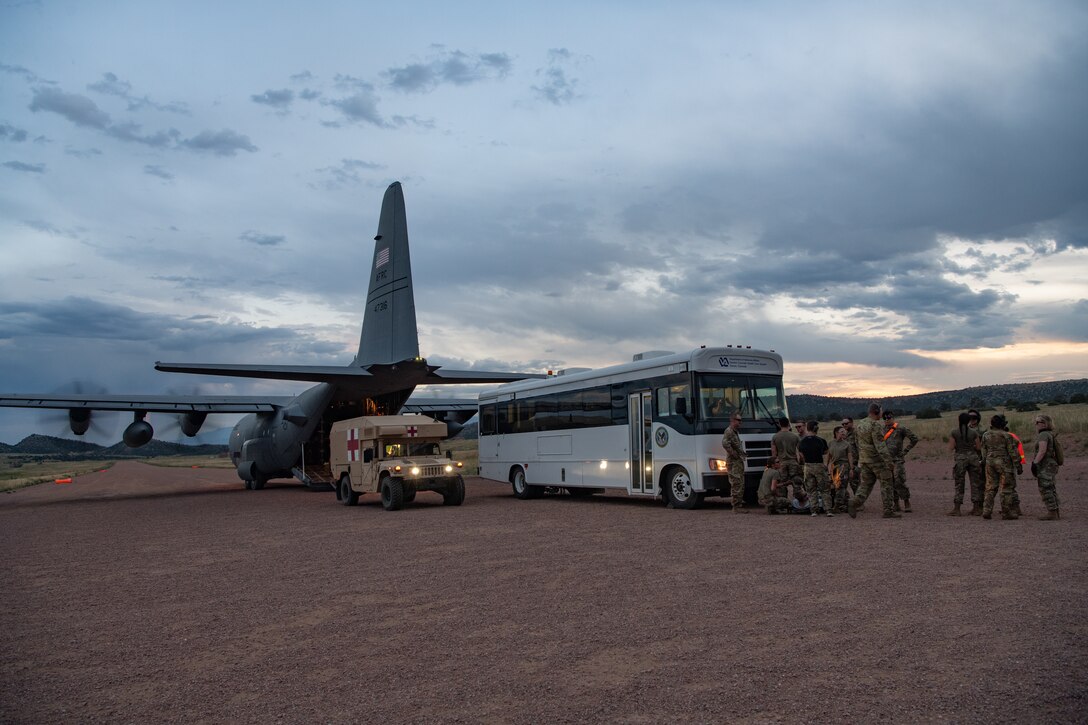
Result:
<point x="1016" y="510"/>
<point x="1009" y="515"/>
<point x="955" y="510"/>
<point x="1050" y="516"/>
<point x="906" y="505"/>
<point x="892" y="515"/>
<point x="976" y="509"/>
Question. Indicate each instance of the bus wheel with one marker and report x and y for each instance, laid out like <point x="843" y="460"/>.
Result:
<point x="345" y="494"/>
<point x="392" y="493"/>
<point x="523" y="489"/>
<point x="678" y="490"/>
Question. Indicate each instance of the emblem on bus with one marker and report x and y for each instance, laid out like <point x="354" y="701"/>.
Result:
<point x="662" y="437"/>
<point x="723" y="362"/>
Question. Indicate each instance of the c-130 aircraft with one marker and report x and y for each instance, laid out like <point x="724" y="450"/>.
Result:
<point x="281" y="433"/>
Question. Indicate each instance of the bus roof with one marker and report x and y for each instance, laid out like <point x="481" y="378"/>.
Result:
<point x="703" y="359"/>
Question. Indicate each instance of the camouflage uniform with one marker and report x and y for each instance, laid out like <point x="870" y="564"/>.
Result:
<point x="1001" y="457"/>
<point x="818" y="486"/>
<point x="875" y="464"/>
<point x="734" y="458"/>
<point x="855" y="474"/>
<point x="1048" y="471"/>
<point x="967" y="463"/>
<point x="1018" y="469"/>
<point x="778" y="497"/>
<point x="785" y="445"/>
<point x="898" y="446"/>
<point x="840" y="462"/>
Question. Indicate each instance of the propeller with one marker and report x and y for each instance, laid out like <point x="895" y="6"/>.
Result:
<point x="185" y="427"/>
<point x="78" y="422"/>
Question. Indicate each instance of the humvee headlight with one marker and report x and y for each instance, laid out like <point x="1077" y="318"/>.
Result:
<point x="415" y="470"/>
<point x="396" y="469"/>
<point x="449" y="468"/>
<point x="717" y="464"/>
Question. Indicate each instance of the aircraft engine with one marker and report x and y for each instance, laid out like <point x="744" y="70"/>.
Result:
<point x="79" y="420"/>
<point x="190" y="423"/>
<point x="138" y="433"/>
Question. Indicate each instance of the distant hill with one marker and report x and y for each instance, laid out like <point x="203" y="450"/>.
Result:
<point x="984" y="396"/>
<point x="66" y="448"/>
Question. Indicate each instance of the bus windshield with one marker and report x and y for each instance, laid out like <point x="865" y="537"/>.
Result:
<point x="755" y="396"/>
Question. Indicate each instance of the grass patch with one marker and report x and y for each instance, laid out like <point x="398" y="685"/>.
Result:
<point x="17" y="472"/>
<point x="190" y="462"/>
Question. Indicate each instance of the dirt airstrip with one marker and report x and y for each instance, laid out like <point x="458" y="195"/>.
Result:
<point x="147" y="594"/>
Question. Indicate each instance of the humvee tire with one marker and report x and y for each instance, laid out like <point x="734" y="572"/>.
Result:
<point x="409" y="495"/>
<point x="392" y="490"/>
<point x="344" y="492"/>
<point x="455" y="494"/>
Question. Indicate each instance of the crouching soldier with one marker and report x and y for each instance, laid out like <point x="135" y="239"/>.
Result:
<point x="773" y="489"/>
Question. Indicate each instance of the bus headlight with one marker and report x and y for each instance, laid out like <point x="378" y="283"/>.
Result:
<point x="415" y="470"/>
<point x="717" y="464"/>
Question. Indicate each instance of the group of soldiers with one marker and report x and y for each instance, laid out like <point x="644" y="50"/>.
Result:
<point x="839" y="476"/>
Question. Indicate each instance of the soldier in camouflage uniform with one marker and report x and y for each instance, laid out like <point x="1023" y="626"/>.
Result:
<point x="773" y="489"/>
<point x="899" y="440"/>
<point x="784" y="450"/>
<point x="1000" y="454"/>
<point x="1018" y="469"/>
<point x="875" y="465"/>
<point x="813" y="449"/>
<point x="852" y="439"/>
<point x="964" y="444"/>
<point x="1044" y="466"/>
<point x="734" y="459"/>
<point x="842" y="467"/>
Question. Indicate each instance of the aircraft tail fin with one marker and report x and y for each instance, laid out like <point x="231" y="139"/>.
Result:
<point x="389" y="322"/>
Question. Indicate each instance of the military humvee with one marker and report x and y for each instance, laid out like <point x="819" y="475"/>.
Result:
<point x="394" y="455"/>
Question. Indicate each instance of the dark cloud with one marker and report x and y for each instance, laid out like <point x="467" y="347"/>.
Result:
<point x="263" y="240"/>
<point x="20" y="166"/>
<point x="1065" y="322"/>
<point x="82" y="153"/>
<point x="303" y="77"/>
<point x="78" y="109"/>
<point x="111" y="85"/>
<point x="308" y="94"/>
<point x="280" y="100"/>
<point x="220" y="143"/>
<point x="361" y="106"/>
<point x="133" y="133"/>
<point x="158" y="171"/>
<point x="556" y="87"/>
<point x="11" y="133"/>
<point x="452" y="67"/>
<point x="26" y="74"/>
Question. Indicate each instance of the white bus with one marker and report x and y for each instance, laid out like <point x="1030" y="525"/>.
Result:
<point x="652" y="426"/>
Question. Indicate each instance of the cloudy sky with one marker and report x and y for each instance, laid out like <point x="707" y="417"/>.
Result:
<point x="892" y="195"/>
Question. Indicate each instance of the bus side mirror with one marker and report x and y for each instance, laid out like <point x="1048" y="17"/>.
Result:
<point x="368" y="456"/>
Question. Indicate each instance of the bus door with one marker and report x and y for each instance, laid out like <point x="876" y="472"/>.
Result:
<point x="640" y="418"/>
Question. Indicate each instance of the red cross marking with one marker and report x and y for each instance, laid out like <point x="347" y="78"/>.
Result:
<point x="353" y="444"/>
<point x="412" y="431"/>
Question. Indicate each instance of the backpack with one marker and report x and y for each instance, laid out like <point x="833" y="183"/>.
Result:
<point x="1059" y="457"/>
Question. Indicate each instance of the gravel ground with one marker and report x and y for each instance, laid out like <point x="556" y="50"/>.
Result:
<point x="151" y="594"/>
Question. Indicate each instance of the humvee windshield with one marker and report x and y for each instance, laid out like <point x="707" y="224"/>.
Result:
<point x="401" y="450"/>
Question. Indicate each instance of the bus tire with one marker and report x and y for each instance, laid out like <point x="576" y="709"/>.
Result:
<point x="523" y="489"/>
<point x="679" y="491"/>
<point x="454" y="494"/>
<point x="344" y="492"/>
<point x="392" y="490"/>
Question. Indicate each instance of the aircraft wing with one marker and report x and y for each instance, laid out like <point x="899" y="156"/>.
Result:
<point x="310" y="373"/>
<point x="438" y="405"/>
<point x="150" y="403"/>
<point x="479" y="376"/>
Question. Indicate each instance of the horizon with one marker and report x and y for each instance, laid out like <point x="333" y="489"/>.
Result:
<point x="892" y="197"/>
